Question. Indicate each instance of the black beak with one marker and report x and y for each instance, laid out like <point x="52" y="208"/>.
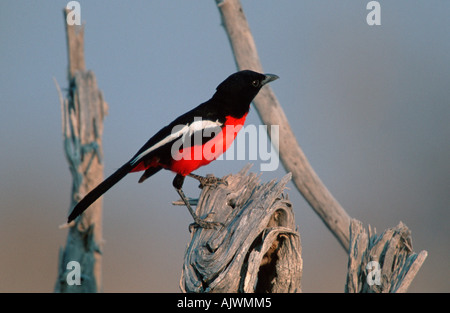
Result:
<point x="269" y="78"/>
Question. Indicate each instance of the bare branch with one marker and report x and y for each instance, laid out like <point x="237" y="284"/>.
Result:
<point x="271" y="113"/>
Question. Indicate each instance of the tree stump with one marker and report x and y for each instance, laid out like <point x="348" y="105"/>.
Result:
<point x="257" y="250"/>
<point x="384" y="263"/>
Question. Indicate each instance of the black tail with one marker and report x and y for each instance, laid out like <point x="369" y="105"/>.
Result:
<point x="98" y="191"/>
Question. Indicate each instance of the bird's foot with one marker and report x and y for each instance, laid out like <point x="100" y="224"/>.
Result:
<point x="201" y="223"/>
<point x="198" y="222"/>
<point x="209" y="180"/>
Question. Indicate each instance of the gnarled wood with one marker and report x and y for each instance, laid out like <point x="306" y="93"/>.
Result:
<point x="384" y="263"/>
<point x="258" y="249"/>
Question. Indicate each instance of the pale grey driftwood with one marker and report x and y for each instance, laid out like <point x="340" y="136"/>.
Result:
<point x="258" y="249"/>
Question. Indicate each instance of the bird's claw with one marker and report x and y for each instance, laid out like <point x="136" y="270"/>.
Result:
<point x="212" y="181"/>
<point x="201" y="223"/>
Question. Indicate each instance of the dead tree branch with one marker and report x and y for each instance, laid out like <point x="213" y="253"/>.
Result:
<point x="83" y="111"/>
<point x="271" y="113"/>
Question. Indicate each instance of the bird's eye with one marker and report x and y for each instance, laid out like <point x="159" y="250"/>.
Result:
<point x="255" y="83"/>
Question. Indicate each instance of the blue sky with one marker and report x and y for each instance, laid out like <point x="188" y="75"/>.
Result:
<point x="369" y="106"/>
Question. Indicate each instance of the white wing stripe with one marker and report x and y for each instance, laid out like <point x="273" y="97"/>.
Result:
<point x="197" y="125"/>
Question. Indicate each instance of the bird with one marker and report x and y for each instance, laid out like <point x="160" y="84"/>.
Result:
<point x="192" y="140"/>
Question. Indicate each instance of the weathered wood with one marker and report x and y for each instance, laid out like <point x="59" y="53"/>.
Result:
<point x="75" y="47"/>
<point x="83" y="111"/>
<point x="384" y="263"/>
<point x="258" y="249"/>
<point x="271" y="113"/>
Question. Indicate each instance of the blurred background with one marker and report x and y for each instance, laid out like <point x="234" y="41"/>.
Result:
<point x="369" y="106"/>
